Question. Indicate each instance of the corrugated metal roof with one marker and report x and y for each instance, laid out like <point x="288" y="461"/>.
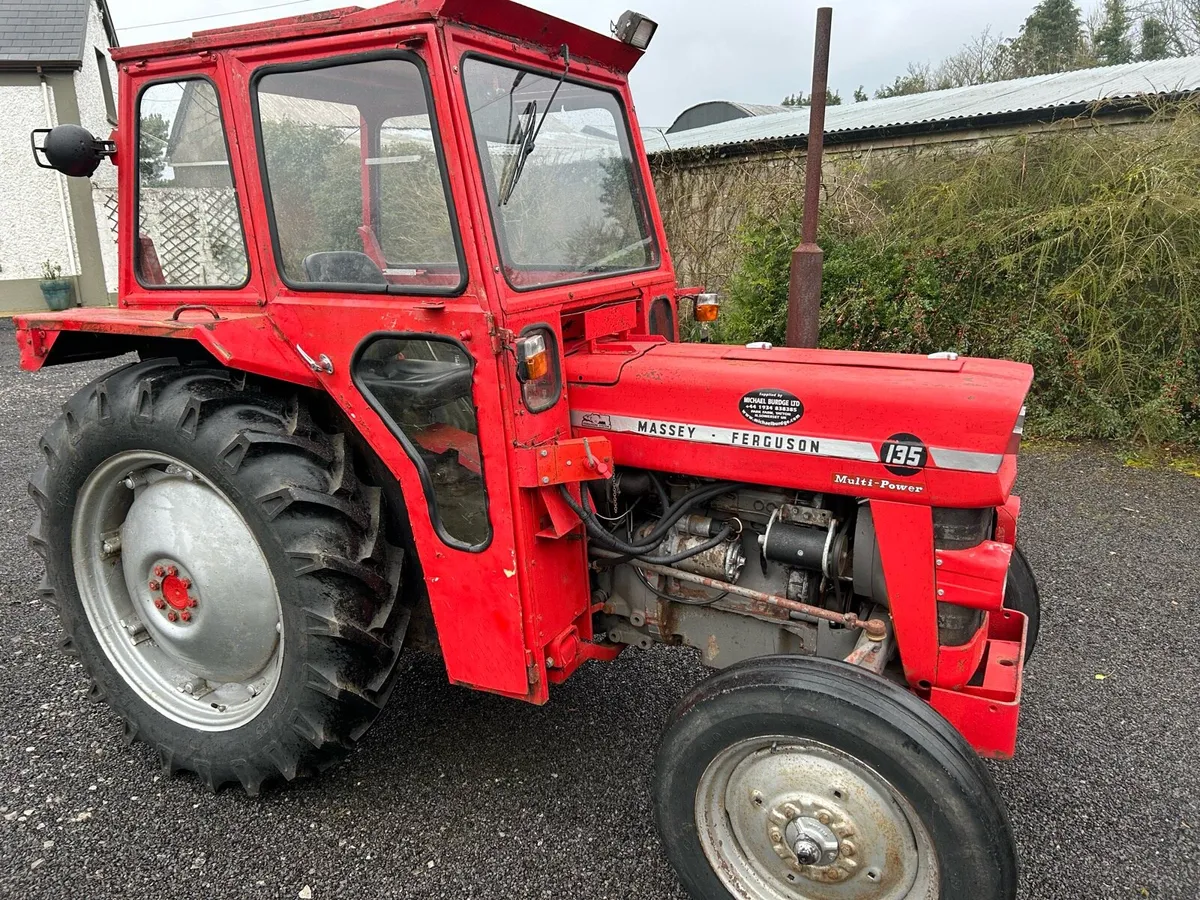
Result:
<point x="1044" y="92"/>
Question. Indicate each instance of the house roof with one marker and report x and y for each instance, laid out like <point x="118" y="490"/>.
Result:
<point x="1024" y="99"/>
<point x="48" y="33"/>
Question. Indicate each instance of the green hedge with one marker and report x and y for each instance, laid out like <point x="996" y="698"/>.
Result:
<point x="1078" y="252"/>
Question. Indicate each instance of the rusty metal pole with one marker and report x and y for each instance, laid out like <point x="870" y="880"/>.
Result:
<point x="808" y="260"/>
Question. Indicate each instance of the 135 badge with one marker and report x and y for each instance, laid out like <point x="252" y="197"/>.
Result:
<point x="904" y="454"/>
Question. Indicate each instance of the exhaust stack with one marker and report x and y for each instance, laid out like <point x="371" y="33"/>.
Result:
<point x="808" y="260"/>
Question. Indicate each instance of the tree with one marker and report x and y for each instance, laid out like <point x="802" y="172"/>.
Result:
<point x="981" y="60"/>
<point x="916" y="81"/>
<point x="1051" y="39"/>
<point x="152" y="149"/>
<point x="861" y="95"/>
<point x="832" y="98"/>
<point x="1181" y="21"/>
<point x="1111" y="42"/>
<point x="1156" y="40"/>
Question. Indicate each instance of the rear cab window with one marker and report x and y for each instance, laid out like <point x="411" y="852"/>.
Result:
<point x="189" y="226"/>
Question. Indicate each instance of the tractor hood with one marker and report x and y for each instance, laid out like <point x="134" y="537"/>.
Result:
<point x="938" y="431"/>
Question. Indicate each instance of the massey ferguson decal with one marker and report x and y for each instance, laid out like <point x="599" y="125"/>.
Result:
<point x="904" y="455"/>
<point x="730" y="437"/>
<point x="597" y="421"/>
<point x="772" y="408"/>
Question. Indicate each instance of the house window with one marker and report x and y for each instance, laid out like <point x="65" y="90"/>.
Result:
<point x="110" y="104"/>
<point x="189" y="224"/>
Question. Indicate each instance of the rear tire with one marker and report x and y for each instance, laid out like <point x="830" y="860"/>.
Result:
<point x="785" y="743"/>
<point x="1021" y="594"/>
<point x="252" y="523"/>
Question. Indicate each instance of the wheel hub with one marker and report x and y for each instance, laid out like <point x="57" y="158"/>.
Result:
<point x="178" y="590"/>
<point x="815" y="839"/>
<point x="172" y="591"/>
<point x="192" y="542"/>
<point x="813" y="843"/>
<point x="785" y="819"/>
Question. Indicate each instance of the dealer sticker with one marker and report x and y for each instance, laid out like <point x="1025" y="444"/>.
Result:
<point x="772" y="408"/>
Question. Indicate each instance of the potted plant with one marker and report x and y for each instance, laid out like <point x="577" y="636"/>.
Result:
<point x="59" y="292"/>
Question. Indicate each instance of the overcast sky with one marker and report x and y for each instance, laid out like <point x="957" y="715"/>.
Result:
<point x="756" y="51"/>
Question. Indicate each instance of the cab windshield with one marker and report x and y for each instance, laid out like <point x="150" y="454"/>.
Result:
<point x="562" y="181"/>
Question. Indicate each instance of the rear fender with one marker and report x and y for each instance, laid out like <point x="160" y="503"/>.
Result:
<point x="245" y="341"/>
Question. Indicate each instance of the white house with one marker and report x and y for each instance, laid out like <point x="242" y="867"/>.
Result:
<point x="54" y="69"/>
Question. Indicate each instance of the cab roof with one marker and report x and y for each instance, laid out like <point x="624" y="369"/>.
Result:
<point x="501" y="17"/>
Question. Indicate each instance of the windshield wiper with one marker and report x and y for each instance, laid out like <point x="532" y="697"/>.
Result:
<point x="529" y="136"/>
<point x="523" y="138"/>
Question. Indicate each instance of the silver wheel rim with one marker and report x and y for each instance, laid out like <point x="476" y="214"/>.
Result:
<point x="758" y="796"/>
<point x="177" y="591"/>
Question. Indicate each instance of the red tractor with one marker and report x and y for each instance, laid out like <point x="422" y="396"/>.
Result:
<point x="408" y="375"/>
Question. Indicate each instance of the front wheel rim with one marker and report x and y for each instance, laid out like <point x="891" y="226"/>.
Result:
<point x="757" y="799"/>
<point x="177" y="591"/>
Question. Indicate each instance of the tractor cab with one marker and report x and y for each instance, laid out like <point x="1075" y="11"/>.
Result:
<point x="429" y="215"/>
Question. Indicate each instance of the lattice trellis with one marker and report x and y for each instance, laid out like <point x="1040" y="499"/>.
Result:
<point x="197" y="233"/>
<point x="109" y="199"/>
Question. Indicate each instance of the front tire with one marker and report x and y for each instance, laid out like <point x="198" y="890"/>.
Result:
<point x="790" y="778"/>
<point x="219" y="569"/>
<point x="1022" y="594"/>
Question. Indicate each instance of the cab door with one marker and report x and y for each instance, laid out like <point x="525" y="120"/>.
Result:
<point x="372" y="277"/>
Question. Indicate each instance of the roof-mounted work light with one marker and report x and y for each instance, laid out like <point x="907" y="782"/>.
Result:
<point x="635" y="29"/>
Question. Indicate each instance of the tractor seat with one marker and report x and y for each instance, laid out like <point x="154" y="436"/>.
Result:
<point x="342" y="267"/>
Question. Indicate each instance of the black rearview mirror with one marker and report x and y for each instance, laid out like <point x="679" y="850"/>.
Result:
<point x="70" y="149"/>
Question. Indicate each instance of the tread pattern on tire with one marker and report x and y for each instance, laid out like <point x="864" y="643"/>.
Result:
<point x="342" y="575"/>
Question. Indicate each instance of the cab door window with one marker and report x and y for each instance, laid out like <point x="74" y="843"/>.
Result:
<point x="356" y="181"/>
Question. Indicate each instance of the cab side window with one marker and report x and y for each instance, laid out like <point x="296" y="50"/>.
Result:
<point x="189" y="224"/>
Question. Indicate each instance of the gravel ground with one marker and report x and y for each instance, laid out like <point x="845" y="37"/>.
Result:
<point x="461" y="795"/>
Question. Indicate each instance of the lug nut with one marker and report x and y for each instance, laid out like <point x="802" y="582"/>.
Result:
<point x="159" y="571"/>
<point x="154" y="585"/>
<point x="172" y="571"/>
<point x="186" y="582"/>
<point x="171" y="617"/>
<point x="192" y="602"/>
<point x="160" y="603"/>
<point x="186" y="616"/>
